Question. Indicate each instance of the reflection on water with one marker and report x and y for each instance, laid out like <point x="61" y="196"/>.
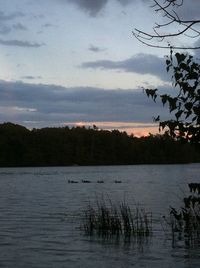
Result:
<point x="40" y="215"/>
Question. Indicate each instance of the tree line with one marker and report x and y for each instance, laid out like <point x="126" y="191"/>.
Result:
<point x="65" y="146"/>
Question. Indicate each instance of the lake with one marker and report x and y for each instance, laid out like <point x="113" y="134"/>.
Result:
<point x="41" y="214"/>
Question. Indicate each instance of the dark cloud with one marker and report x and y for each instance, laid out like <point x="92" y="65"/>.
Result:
<point x="48" y="25"/>
<point x="140" y="63"/>
<point x="4" y="29"/>
<point x="96" y="49"/>
<point x="38" y="16"/>
<point x="93" y="7"/>
<point x="19" y="26"/>
<point x="11" y="16"/>
<point x="53" y="104"/>
<point x="19" y="43"/>
<point x="90" y="6"/>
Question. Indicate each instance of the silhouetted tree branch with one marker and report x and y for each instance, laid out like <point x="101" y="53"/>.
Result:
<point x="186" y="104"/>
<point x="188" y="28"/>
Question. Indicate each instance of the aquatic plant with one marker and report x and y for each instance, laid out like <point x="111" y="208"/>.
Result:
<point x="106" y="219"/>
<point x="186" y="220"/>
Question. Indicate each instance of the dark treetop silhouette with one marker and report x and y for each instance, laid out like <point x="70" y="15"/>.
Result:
<point x="81" y="146"/>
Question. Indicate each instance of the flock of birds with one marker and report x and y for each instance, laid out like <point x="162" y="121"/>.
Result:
<point x="88" y="181"/>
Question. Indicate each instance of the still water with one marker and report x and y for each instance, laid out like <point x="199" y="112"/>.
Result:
<point x="40" y="216"/>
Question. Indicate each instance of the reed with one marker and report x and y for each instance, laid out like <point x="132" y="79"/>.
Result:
<point x="186" y="220"/>
<point x="106" y="219"/>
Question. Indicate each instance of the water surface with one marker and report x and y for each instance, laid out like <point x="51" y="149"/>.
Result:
<point x="40" y="216"/>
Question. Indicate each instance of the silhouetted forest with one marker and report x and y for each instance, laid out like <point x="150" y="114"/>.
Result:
<point x="64" y="146"/>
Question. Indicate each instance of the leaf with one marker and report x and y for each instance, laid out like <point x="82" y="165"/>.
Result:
<point x="156" y="119"/>
<point x="188" y="106"/>
<point x="178" y="114"/>
<point x="193" y="75"/>
<point x="184" y="66"/>
<point x="188" y="114"/>
<point x="178" y="76"/>
<point x="164" y="99"/>
<point x="196" y="110"/>
<point x="172" y="103"/>
<point x="151" y="92"/>
<point x="194" y="118"/>
<point x="189" y="59"/>
<point x="180" y="57"/>
<point x="163" y="125"/>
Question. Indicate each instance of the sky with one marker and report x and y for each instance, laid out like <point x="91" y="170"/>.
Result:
<point x="76" y="62"/>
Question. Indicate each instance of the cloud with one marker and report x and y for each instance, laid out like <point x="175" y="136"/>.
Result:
<point x="11" y="16"/>
<point x="139" y="129"/>
<point x="189" y="10"/>
<point x="124" y="2"/>
<point x="90" y="6"/>
<point x="112" y="125"/>
<point x="19" y="43"/>
<point x="4" y="29"/>
<point x="30" y="77"/>
<point x="23" y="109"/>
<point x="19" y="26"/>
<point x="48" y="25"/>
<point x="5" y="18"/>
<point x="94" y="7"/>
<point x="140" y="63"/>
<point x="96" y="49"/>
<point x="49" y="104"/>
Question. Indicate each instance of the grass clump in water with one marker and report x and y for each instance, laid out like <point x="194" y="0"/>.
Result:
<point x="105" y="219"/>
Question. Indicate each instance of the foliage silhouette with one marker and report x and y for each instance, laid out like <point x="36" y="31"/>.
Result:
<point x="185" y="105"/>
<point x="81" y="146"/>
<point x="186" y="220"/>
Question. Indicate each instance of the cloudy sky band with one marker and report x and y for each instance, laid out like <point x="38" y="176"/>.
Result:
<point x="77" y="61"/>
